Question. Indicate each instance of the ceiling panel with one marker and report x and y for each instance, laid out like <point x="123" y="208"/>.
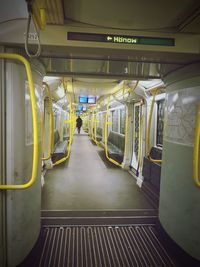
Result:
<point x="131" y="14"/>
<point x="13" y="9"/>
<point x="55" y="13"/>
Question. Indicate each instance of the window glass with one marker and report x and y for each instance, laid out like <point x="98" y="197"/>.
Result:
<point x="122" y="120"/>
<point x="114" y="120"/>
<point x="55" y="120"/>
<point x="99" y="120"/>
<point x="160" y="121"/>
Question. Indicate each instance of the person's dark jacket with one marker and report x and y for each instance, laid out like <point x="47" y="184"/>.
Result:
<point x="78" y="122"/>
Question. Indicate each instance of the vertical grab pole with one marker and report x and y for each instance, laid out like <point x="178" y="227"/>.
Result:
<point x="95" y="131"/>
<point x="89" y="123"/>
<point x="196" y="149"/>
<point x="94" y="127"/>
<point x="92" y="134"/>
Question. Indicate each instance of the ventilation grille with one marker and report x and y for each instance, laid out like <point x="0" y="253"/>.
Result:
<point x="91" y="246"/>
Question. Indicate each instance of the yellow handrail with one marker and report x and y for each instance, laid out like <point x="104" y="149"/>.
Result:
<point x="95" y="131"/>
<point x="51" y="120"/>
<point x="149" y="129"/>
<point x="35" y="122"/>
<point x="196" y="149"/>
<point x="94" y="128"/>
<point x="93" y="119"/>
<point x="71" y="123"/>
<point x="89" y="123"/>
<point x="106" y="136"/>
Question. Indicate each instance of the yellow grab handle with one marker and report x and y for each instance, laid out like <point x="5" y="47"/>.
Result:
<point x="149" y="129"/>
<point x="196" y="149"/>
<point x="51" y="142"/>
<point x="94" y="127"/>
<point x="35" y="123"/>
<point x="92" y="123"/>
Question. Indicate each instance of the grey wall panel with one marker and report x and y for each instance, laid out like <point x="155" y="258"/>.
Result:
<point x="179" y="210"/>
<point x="23" y="206"/>
<point x="2" y="164"/>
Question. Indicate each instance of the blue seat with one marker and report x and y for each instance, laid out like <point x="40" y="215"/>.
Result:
<point x="152" y="170"/>
<point x="60" y="148"/>
<point x="116" y="144"/>
<point x="99" y="134"/>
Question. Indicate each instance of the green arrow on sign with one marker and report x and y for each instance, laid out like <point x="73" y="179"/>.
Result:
<point x="109" y="38"/>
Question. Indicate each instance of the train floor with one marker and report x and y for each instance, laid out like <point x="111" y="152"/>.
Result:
<point x="94" y="214"/>
<point x="88" y="182"/>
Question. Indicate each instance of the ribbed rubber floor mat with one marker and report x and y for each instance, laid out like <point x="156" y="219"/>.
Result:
<point x="91" y="246"/>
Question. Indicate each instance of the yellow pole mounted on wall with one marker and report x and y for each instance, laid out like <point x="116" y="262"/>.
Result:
<point x="34" y="118"/>
<point x="196" y="148"/>
<point x="92" y="133"/>
<point x="106" y="136"/>
<point x="51" y="122"/>
<point x="89" y="123"/>
<point x="149" y="130"/>
<point x="94" y="128"/>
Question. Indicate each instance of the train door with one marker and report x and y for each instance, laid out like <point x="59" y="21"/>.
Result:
<point x="136" y="135"/>
<point x="22" y="207"/>
<point x="2" y="167"/>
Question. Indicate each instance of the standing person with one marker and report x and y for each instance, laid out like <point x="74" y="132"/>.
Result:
<point x="79" y="124"/>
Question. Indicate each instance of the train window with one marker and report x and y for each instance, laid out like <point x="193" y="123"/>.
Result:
<point x="57" y="116"/>
<point x="160" y="122"/>
<point x="122" y="120"/>
<point x="114" y="120"/>
<point x="99" y="120"/>
<point x="56" y="121"/>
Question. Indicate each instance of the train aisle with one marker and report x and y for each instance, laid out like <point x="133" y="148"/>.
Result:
<point x="95" y="215"/>
<point x="85" y="182"/>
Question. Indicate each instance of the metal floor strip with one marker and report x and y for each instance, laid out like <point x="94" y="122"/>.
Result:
<point x="114" y="246"/>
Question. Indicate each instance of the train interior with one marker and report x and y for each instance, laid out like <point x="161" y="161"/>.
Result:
<point x="124" y="191"/>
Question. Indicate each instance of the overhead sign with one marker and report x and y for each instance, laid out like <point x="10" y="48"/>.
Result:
<point x="120" y="39"/>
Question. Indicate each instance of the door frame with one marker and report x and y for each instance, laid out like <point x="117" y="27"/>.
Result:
<point x="137" y="104"/>
<point x="2" y="163"/>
